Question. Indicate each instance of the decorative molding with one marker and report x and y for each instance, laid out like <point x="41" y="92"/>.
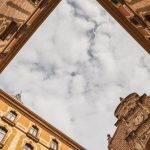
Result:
<point x="125" y="23"/>
<point x="39" y="121"/>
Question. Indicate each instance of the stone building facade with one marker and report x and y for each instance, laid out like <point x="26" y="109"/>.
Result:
<point x="133" y="125"/>
<point x="21" y="129"/>
<point x="134" y="16"/>
<point x="18" y="21"/>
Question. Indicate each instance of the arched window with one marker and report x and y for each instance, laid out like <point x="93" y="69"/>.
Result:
<point x="28" y="147"/>
<point x="34" y="131"/>
<point x="3" y="133"/>
<point x="12" y="115"/>
<point x="54" y="145"/>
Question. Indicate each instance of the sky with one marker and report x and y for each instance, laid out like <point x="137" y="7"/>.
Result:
<point x="74" y="69"/>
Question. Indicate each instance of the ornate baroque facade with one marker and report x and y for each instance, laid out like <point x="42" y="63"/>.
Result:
<point x="21" y="129"/>
<point x="18" y="21"/>
<point x="133" y="125"/>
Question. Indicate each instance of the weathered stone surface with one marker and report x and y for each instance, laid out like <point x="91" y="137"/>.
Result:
<point x="18" y="21"/>
<point x="133" y="125"/>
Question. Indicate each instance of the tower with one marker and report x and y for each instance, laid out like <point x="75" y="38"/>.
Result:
<point x="18" y="21"/>
<point x="133" y="125"/>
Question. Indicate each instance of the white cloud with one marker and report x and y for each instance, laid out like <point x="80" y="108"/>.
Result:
<point x="74" y="69"/>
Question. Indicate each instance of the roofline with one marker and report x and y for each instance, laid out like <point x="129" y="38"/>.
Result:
<point x="50" y="128"/>
<point x="36" y="20"/>
<point x="122" y="20"/>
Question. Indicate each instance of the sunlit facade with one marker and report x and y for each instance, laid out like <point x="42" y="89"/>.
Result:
<point x="21" y="129"/>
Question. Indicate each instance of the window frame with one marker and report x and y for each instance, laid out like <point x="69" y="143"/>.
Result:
<point x="9" y="32"/>
<point x="29" y="146"/>
<point x="9" y="121"/>
<point x="147" y="17"/>
<point x="3" y="140"/>
<point x="32" y="136"/>
<point x="35" y="2"/>
<point x="12" y="114"/>
<point x="53" y="144"/>
<point x="34" y="131"/>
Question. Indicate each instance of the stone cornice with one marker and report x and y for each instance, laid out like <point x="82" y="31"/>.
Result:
<point x="122" y="20"/>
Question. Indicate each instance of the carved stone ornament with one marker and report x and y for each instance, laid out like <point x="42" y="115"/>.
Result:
<point x="138" y="146"/>
<point x="138" y="120"/>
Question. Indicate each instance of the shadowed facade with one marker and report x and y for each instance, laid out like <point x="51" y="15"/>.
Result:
<point x="133" y="125"/>
<point x="21" y="129"/>
<point x="19" y="19"/>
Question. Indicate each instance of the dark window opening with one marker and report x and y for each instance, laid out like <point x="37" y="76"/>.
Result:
<point x="9" y="31"/>
<point x="147" y="17"/>
<point x="135" y="21"/>
<point x="28" y="147"/>
<point x="35" y="1"/>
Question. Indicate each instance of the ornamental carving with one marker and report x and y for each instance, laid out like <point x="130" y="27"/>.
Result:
<point x="133" y="131"/>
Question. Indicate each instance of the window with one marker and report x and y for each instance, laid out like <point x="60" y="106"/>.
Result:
<point x="35" y="1"/>
<point x="116" y="1"/>
<point x="54" y="145"/>
<point x="147" y="146"/>
<point x="9" y="31"/>
<point x="28" y="147"/>
<point x="147" y="17"/>
<point x="135" y="21"/>
<point x="11" y="116"/>
<point x="3" y="133"/>
<point x="34" y="131"/>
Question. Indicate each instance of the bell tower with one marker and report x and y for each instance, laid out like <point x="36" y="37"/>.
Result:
<point x="133" y="125"/>
<point x="19" y="19"/>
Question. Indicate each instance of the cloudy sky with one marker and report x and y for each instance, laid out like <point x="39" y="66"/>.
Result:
<point x="74" y="69"/>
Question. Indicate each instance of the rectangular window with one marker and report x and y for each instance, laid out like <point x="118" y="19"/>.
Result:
<point x="54" y="145"/>
<point x="34" y="131"/>
<point x="9" y="31"/>
<point x="147" y="17"/>
<point x="135" y="21"/>
<point x="11" y="116"/>
<point x="28" y="147"/>
<point x="116" y="1"/>
<point x="2" y="134"/>
<point x="35" y="1"/>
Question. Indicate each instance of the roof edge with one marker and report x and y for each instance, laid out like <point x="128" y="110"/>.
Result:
<point x="66" y="139"/>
